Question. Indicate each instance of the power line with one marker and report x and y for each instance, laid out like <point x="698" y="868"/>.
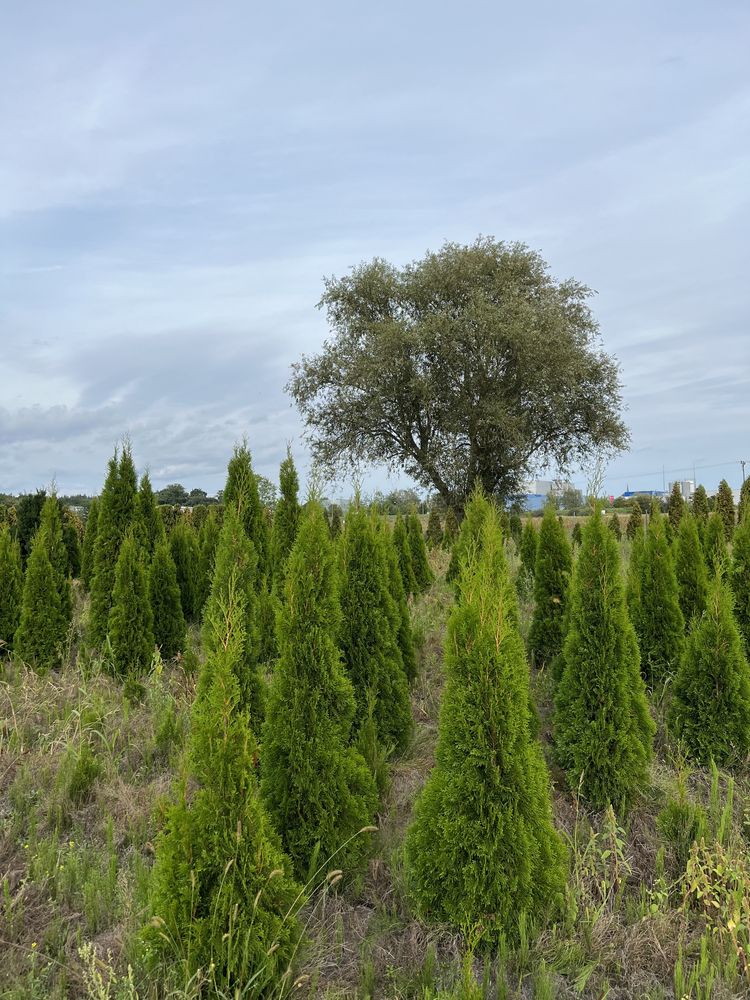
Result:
<point x="662" y="472"/>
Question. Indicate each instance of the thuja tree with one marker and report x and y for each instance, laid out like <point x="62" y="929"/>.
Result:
<point x="434" y="534"/>
<point x="715" y="543"/>
<point x="676" y="508"/>
<point x="241" y="493"/>
<point x="116" y="510"/>
<point x="319" y="791"/>
<point x="482" y="840"/>
<point x="11" y="588"/>
<point x="470" y="534"/>
<point x="51" y="524"/>
<point x="710" y="706"/>
<point x="740" y="577"/>
<point x="635" y="520"/>
<point x="614" y="525"/>
<point x="725" y="508"/>
<point x="529" y="546"/>
<point x="700" y="507"/>
<point x="208" y="539"/>
<point x="222" y="896"/>
<point x="89" y="540"/>
<point x="659" y="623"/>
<point x="149" y="525"/>
<point x="690" y="567"/>
<point x="335" y="521"/>
<point x="183" y="545"/>
<point x="166" y="607"/>
<point x="743" y="507"/>
<point x="635" y="570"/>
<point x="369" y="633"/>
<point x="554" y="562"/>
<point x="42" y="630"/>
<point x="404" y="636"/>
<point x="71" y="531"/>
<point x="285" y="521"/>
<point x="131" y="623"/>
<point x="28" y="514"/>
<point x="602" y="728"/>
<point x="576" y="536"/>
<point x="423" y="575"/>
<point x="450" y="529"/>
<point x="236" y="567"/>
<point x="403" y="550"/>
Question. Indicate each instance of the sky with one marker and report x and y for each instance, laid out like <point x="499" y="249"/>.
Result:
<point x="177" y="178"/>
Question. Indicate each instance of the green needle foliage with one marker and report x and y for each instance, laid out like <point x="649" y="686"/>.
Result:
<point x="42" y="630"/>
<point x="603" y="730"/>
<point x="405" y="636"/>
<point x="659" y="622"/>
<point x="403" y="549"/>
<point x="715" y="543"/>
<point x="318" y="788"/>
<point x="11" y="588"/>
<point x="743" y="507"/>
<point x="89" y="540"/>
<point x="477" y="510"/>
<point x="336" y="522"/>
<point x="71" y="526"/>
<point x="423" y="575"/>
<point x="369" y="633"/>
<point x="51" y="524"/>
<point x="710" y="707"/>
<point x="285" y="522"/>
<point x="148" y="525"/>
<point x="740" y="576"/>
<point x="676" y="508"/>
<point x="690" y="567"/>
<point x="635" y="520"/>
<point x="516" y="527"/>
<point x="434" y="535"/>
<point x="131" y="623"/>
<point x="450" y="530"/>
<point x="614" y="525"/>
<point x="116" y="511"/>
<point x="241" y="493"/>
<point x="482" y="847"/>
<point x="725" y="508"/>
<point x="635" y="570"/>
<point x="236" y="566"/>
<point x="700" y="507"/>
<point x="166" y="608"/>
<point x="576" y="535"/>
<point x="222" y="895"/>
<point x="529" y="548"/>
<point x="183" y="545"/>
<point x="554" y="562"/>
<point x="208" y="539"/>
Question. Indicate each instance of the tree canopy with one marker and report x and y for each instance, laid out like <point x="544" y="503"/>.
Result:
<point x="472" y="365"/>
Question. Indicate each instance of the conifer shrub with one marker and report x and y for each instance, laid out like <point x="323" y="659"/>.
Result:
<point x="470" y="534"/>
<point x="554" y="562"/>
<point x="51" y="524"/>
<point x="236" y="566"/>
<point x="529" y="548"/>
<point x="285" y="522"/>
<point x="690" y="567"/>
<point x="420" y="564"/>
<point x="602" y="728"/>
<point x="659" y="623"/>
<point x="241" y="493"/>
<point x="576" y="536"/>
<point x="635" y="520"/>
<point x="336" y="521"/>
<point x="11" y="588"/>
<point x="166" y="608"/>
<point x="740" y="578"/>
<point x="131" y="623"/>
<point x="710" y="706"/>
<point x="71" y="530"/>
<point x="369" y="633"/>
<point x="743" y="507"/>
<point x="208" y="539"/>
<point x="222" y="896"/>
<point x="434" y="534"/>
<point x="403" y="550"/>
<point x="404" y="634"/>
<point x="482" y="847"/>
<point x="614" y="525"/>
<point x="676" y="508"/>
<point x="42" y="629"/>
<point x="148" y="526"/>
<point x="116" y="511"/>
<point x="28" y="514"/>
<point x="700" y="507"/>
<point x="317" y="787"/>
<point x="715" y="544"/>
<point x="183" y="545"/>
<point x="635" y="570"/>
<point x="516" y="527"/>
<point x="450" y="530"/>
<point x="725" y="508"/>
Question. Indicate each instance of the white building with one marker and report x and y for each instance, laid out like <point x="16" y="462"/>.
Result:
<point x="687" y="488"/>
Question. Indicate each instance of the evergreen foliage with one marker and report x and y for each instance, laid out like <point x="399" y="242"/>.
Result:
<point x="221" y="890"/>
<point x="183" y="545"/>
<point x="676" y="508"/>
<point x="450" y="530"/>
<point x="336" y="522"/>
<point x="11" y="588"/>
<point x="396" y="585"/>
<point x="131" y="623"/>
<point x="743" y="507"/>
<point x="700" y="507"/>
<point x="715" y="543"/>
<point x="659" y="623"/>
<point x="285" y="522"/>
<point x="482" y="841"/>
<point x="71" y="528"/>
<point x="116" y="511"/>
<point x="740" y="576"/>
<point x="208" y="539"/>
<point x="602" y="727"/>
<point x="148" y="525"/>
<point x="516" y="527"/>
<point x="554" y="562"/>
<point x="369" y="633"/>
<point x="529" y="548"/>
<point x="434" y="535"/>
<point x="420" y="564"/>
<point x="725" y="508"/>
<point x="635" y="569"/>
<point x="51" y="524"/>
<point x="318" y="788"/>
<point x="614" y="525"/>
<point x="236" y="566"/>
<point x="166" y="607"/>
<point x="42" y="629"/>
<point x="477" y="510"/>
<point x="710" y="707"/>
<point x="690" y="567"/>
<point x="241" y="493"/>
<point x="576" y="535"/>
<point x="28" y="515"/>
<point x="403" y="550"/>
<point x="635" y="520"/>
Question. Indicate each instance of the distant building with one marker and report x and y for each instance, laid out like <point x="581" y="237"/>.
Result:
<point x="687" y="488"/>
<point x="537" y="492"/>
<point x="643" y="493"/>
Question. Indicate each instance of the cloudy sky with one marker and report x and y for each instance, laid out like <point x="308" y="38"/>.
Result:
<point x="177" y="178"/>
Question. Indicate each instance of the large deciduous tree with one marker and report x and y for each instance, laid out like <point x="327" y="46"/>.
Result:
<point x="471" y="365"/>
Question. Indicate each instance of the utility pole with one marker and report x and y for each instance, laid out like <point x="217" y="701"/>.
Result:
<point x="742" y="463"/>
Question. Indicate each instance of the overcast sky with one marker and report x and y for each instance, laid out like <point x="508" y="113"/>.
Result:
<point x="176" y="178"/>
